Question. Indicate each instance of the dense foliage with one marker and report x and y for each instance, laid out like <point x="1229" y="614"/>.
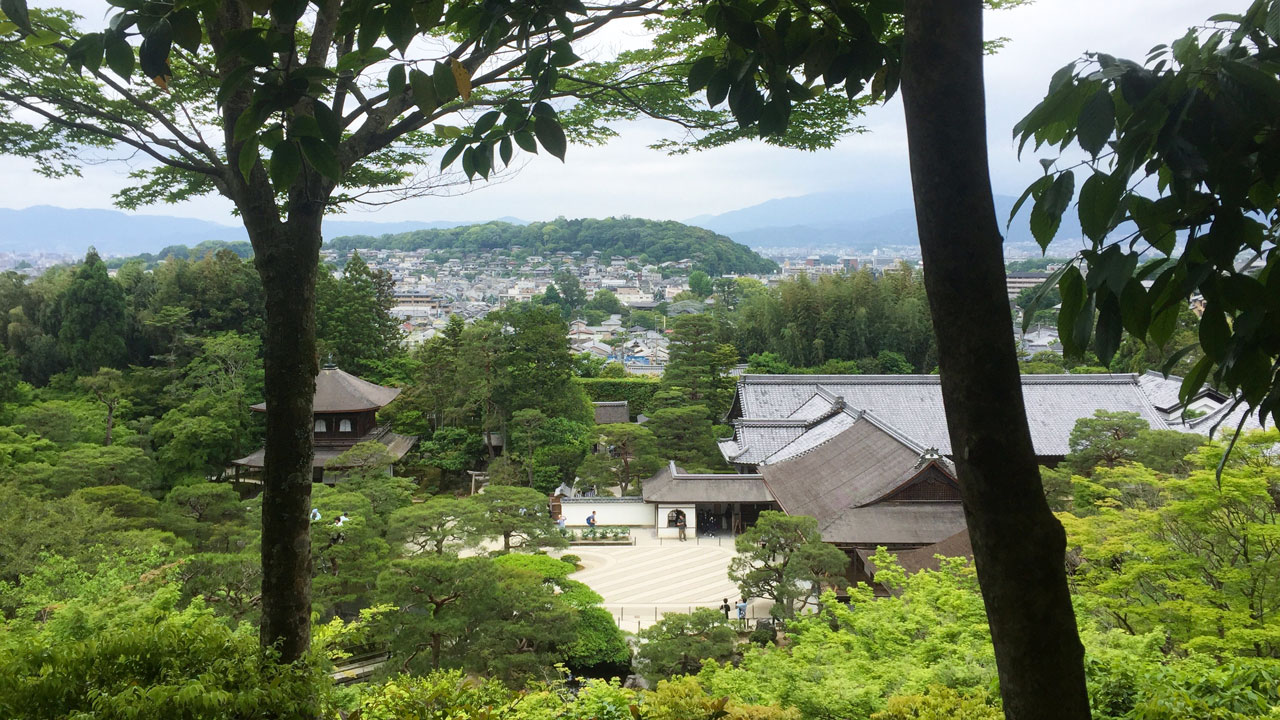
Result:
<point x="847" y="321"/>
<point x="652" y="241"/>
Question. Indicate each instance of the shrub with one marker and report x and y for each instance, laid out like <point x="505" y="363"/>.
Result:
<point x="940" y="703"/>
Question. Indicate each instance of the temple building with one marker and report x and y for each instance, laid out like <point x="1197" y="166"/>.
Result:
<point x="868" y="456"/>
<point x="345" y="413"/>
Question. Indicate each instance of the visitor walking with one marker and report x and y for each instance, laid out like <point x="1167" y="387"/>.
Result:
<point x="725" y="609"/>
<point x="742" y="613"/>
<point x="680" y="525"/>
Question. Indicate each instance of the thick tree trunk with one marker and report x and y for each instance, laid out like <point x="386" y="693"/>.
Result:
<point x="286" y="256"/>
<point x="1018" y="544"/>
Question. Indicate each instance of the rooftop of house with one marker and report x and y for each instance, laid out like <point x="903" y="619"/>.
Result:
<point x="772" y="411"/>
<point x="340" y="391"/>
<point x="673" y="485"/>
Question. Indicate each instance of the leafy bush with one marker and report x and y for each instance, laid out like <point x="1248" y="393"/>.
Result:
<point x="183" y="664"/>
<point x="939" y="703"/>
<point x="637" y="391"/>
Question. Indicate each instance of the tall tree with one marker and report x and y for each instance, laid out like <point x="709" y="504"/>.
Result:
<point x="93" y="320"/>
<point x="935" y="49"/>
<point x="783" y="558"/>
<point x="354" y="324"/>
<point x="1019" y="547"/>
<point x="699" y="363"/>
<point x="289" y="110"/>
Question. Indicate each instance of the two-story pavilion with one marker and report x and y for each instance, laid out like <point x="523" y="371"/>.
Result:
<point x="345" y="413"/>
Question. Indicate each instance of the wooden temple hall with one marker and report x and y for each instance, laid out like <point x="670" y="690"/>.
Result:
<point x="345" y="411"/>
<point x="868" y="457"/>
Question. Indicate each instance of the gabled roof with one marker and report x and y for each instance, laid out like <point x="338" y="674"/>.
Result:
<point x="338" y="391"/>
<point x="855" y="467"/>
<point x="1163" y="391"/>
<point x="912" y="405"/>
<point x="611" y="412"/>
<point x="673" y="485"/>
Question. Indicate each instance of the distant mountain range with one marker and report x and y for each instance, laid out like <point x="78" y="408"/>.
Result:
<point x="61" y="230"/>
<point x="856" y="222"/>
<point x="849" y="221"/>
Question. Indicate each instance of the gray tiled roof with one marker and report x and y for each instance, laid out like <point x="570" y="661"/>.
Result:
<point x="896" y="524"/>
<point x="671" y="485"/>
<point x="912" y="404"/>
<point x="612" y="412"/>
<point x="339" y="391"/>
<point x="858" y="465"/>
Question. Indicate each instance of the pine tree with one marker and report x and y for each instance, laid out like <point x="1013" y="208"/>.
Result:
<point x="93" y="318"/>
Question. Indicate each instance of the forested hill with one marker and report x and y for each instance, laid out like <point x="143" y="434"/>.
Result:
<point x="651" y="240"/>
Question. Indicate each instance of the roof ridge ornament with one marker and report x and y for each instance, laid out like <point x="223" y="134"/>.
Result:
<point x="929" y="455"/>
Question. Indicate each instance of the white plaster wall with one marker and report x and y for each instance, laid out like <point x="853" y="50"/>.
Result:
<point x="690" y="520"/>
<point x="576" y="510"/>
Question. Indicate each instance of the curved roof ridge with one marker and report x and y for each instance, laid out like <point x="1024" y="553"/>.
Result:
<point x="917" y="379"/>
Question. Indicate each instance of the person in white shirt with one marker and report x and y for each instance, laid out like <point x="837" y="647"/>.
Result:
<point x="342" y="519"/>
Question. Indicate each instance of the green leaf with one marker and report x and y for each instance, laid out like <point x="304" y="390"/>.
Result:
<point x="428" y="13"/>
<point x="286" y="163"/>
<point x="484" y="159"/>
<point x="486" y="122"/>
<point x="1109" y="330"/>
<point x="1099" y="200"/>
<point x="327" y="119"/>
<point x="1194" y="380"/>
<point x="1038" y="187"/>
<point x="1046" y="214"/>
<point x="1163" y="323"/>
<point x="16" y="10"/>
<point x="87" y="51"/>
<point x="401" y="25"/>
<point x="1071" y="287"/>
<point x="452" y="154"/>
<point x="248" y="158"/>
<point x="247" y="124"/>
<point x="469" y="162"/>
<point x="1146" y="215"/>
<point x="700" y="73"/>
<point x="396" y="80"/>
<point x="186" y="29"/>
<point x="446" y="87"/>
<point x="1097" y="120"/>
<point x="119" y="55"/>
<point x="1215" y="332"/>
<point x="550" y="135"/>
<point x="153" y="55"/>
<point x="525" y="140"/>
<point x="322" y="157"/>
<point x="505" y="151"/>
<point x="447" y="132"/>
<point x="1135" y="308"/>
<point x="424" y="91"/>
<point x="718" y="87"/>
<point x="39" y="38"/>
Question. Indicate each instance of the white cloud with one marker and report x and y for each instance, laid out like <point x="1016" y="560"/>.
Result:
<point x="625" y="177"/>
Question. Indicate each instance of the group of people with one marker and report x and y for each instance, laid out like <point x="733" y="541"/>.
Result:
<point x="342" y="519"/>
<point x="742" y="611"/>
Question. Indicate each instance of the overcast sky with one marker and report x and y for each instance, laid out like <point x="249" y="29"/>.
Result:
<point x="627" y="178"/>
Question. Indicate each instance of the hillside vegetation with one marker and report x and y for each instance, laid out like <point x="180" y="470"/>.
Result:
<point x="652" y="241"/>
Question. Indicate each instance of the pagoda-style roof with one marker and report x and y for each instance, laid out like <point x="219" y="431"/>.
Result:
<point x="338" y="391"/>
